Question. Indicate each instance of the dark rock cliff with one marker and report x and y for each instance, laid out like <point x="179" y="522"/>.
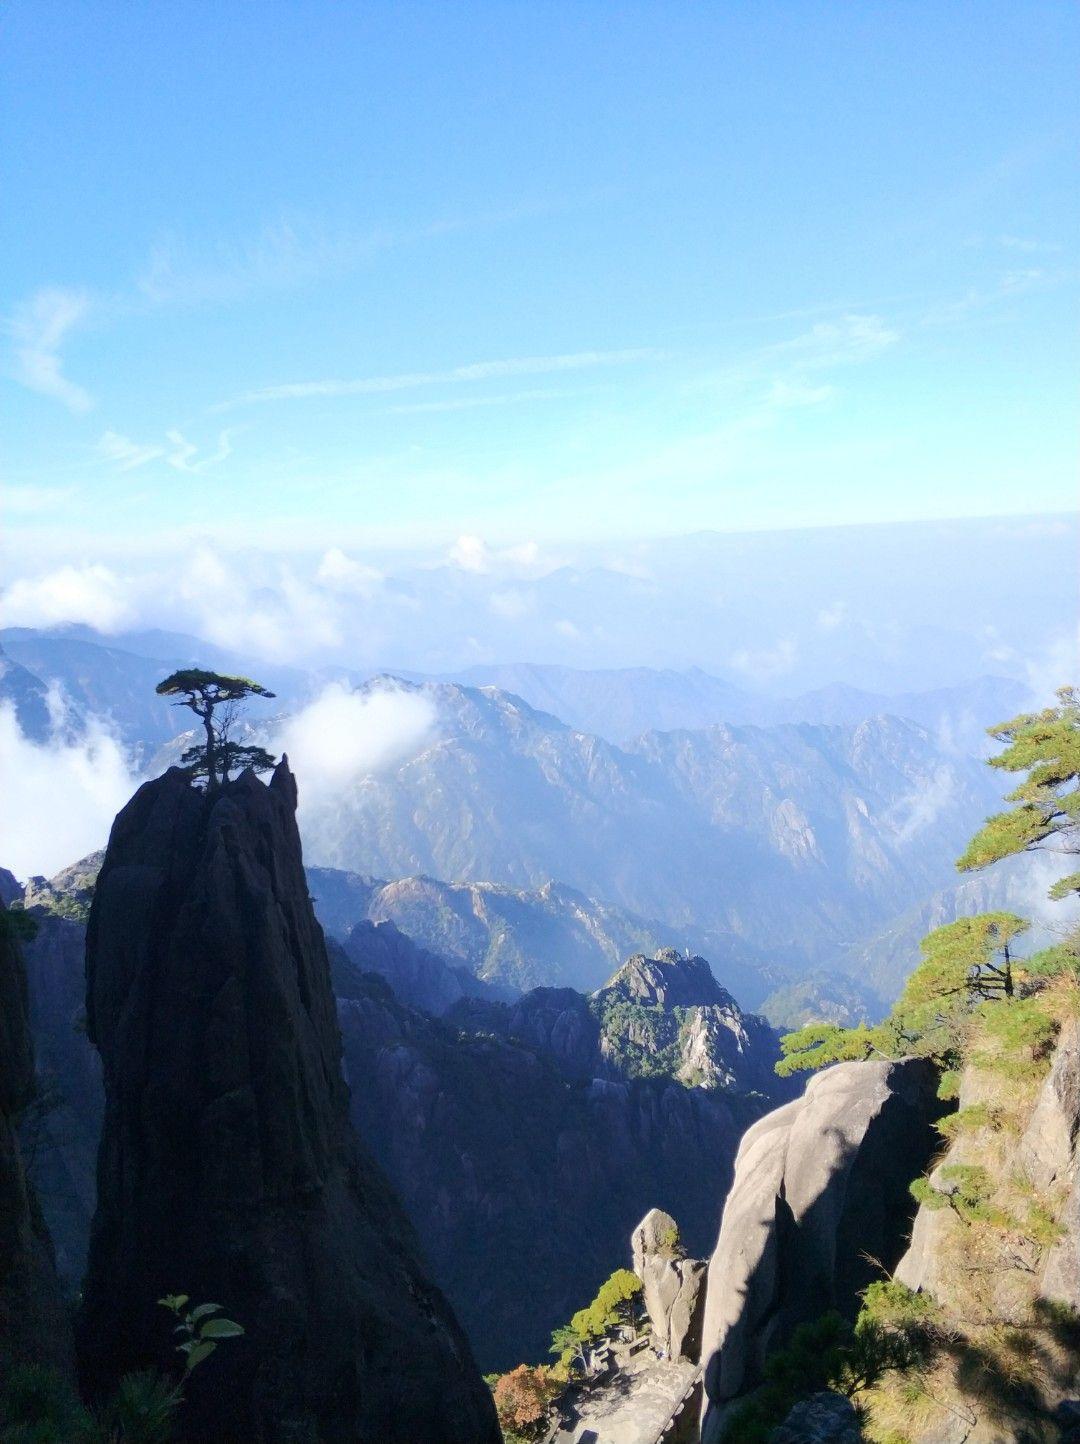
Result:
<point x="34" y="1327"/>
<point x="228" y="1169"/>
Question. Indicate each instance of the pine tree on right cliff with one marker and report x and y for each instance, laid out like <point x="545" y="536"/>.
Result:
<point x="1046" y="814"/>
<point x="969" y="962"/>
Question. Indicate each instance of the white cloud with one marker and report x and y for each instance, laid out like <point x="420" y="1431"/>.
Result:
<point x="344" y="736"/>
<point x="471" y="554"/>
<point x="343" y="573"/>
<point x="848" y="341"/>
<point x="180" y="453"/>
<point x="91" y="594"/>
<point x="521" y="560"/>
<point x="512" y="604"/>
<point x="922" y="807"/>
<point x="38" y="329"/>
<point x="798" y="393"/>
<point x="183" y="453"/>
<point x="31" y="500"/>
<point x="1057" y="665"/>
<point x="829" y="618"/>
<point x="469" y="403"/>
<point x="1029" y="245"/>
<point x="474" y="371"/>
<point x="125" y="453"/>
<point x="766" y="662"/>
<point x="278" y="617"/>
<point x="60" y="796"/>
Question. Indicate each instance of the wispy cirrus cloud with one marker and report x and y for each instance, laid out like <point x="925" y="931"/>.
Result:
<point x="291" y="251"/>
<point x="280" y="255"/>
<point x="1006" y="287"/>
<point x="125" y="454"/>
<point x="845" y="341"/>
<point x="38" y="328"/>
<point x="473" y="371"/>
<point x="176" y="451"/>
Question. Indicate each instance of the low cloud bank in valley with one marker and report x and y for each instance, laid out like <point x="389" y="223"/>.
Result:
<point x="60" y="796"/>
<point x="344" y="736"/>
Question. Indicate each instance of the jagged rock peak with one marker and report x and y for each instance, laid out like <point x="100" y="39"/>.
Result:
<point x="228" y="1167"/>
<point x="669" y="980"/>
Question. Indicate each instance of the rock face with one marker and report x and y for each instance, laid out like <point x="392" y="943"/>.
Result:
<point x="34" y="1327"/>
<point x="517" y="1163"/>
<point x="515" y="1145"/>
<point x="60" y="1142"/>
<point x="419" y="978"/>
<point x="673" y="1286"/>
<point x="669" y="1014"/>
<point x="228" y="1169"/>
<point x="1046" y="1154"/>
<point x="660" y="1017"/>
<point x="822" y="1419"/>
<point x="820" y="1184"/>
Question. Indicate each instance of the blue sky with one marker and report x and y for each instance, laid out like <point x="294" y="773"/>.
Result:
<point x="383" y="274"/>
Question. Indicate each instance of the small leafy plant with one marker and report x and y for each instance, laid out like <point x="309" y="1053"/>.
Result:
<point x="201" y="1328"/>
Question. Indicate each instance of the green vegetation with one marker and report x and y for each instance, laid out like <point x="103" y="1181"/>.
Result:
<point x="964" y="964"/>
<point x="524" y="1395"/>
<point x="615" y="1303"/>
<point x="827" y="1354"/>
<point x="1046" y="811"/>
<point x="215" y="699"/>
<point x="645" y="1042"/>
<point x="199" y="1328"/>
<point x="39" y="1406"/>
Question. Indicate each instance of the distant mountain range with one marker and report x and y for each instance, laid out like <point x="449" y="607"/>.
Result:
<point x="798" y="840"/>
<point x="621" y="704"/>
<point x="551" y="936"/>
<point x="529" y="850"/>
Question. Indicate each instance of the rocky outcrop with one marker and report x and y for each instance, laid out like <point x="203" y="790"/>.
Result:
<point x="68" y="894"/>
<point x="821" y="1188"/>
<point x="228" y="1169"/>
<point x="668" y="1014"/>
<point x="673" y="1286"/>
<point x="516" y="1164"/>
<point x="822" y="1419"/>
<point x="556" y="1021"/>
<point x="34" y="1326"/>
<point x="419" y="978"/>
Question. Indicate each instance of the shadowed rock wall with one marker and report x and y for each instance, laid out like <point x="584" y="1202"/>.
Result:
<point x="228" y="1169"/>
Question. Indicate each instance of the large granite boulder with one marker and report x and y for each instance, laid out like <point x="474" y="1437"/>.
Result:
<point x="821" y="1188"/>
<point x="228" y="1168"/>
<point x="673" y="1286"/>
<point x="34" y="1325"/>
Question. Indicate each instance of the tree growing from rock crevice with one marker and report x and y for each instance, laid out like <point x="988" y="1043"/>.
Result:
<point x="216" y="698"/>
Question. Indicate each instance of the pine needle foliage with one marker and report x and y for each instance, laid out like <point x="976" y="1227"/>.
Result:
<point x="1046" y="804"/>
